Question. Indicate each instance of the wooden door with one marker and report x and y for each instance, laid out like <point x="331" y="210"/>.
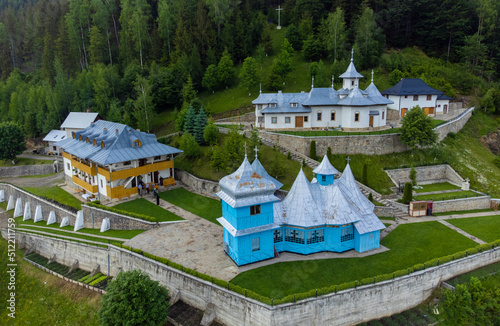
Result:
<point x="371" y="121"/>
<point x="403" y="112"/>
<point x="429" y="110"/>
<point x="299" y="122"/>
<point x="445" y="109"/>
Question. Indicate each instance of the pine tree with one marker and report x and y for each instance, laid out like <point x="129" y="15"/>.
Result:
<point x="189" y="120"/>
<point x="312" y="153"/>
<point x="407" y="193"/>
<point x="413" y="176"/>
<point x="200" y="124"/>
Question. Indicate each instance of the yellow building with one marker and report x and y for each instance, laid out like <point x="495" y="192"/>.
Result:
<point x="109" y="160"/>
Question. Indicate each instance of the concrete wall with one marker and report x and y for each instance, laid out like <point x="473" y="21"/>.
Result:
<point x="463" y="204"/>
<point x="347" y="307"/>
<point x="454" y="125"/>
<point x="93" y="218"/>
<point x="22" y="170"/>
<point x="364" y="144"/>
<point x="34" y="201"/>
<point x="202" y="186"/>
<point x="427" y="175"/>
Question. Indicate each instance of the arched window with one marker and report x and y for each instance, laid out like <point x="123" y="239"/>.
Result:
<point x="94" y="142"/>
<point x="356" y="116"/>
<point x="332" y="116"/>
<point x="137" y="143"/>
<point x="87" y="139"/>
<point x="73" y="134"/>
<point x="102" y="144"/>
<point x="80" y="138"/>
<point x="319" y="116"/>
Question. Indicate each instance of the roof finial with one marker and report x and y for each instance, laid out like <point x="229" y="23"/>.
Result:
<point x="333" y="78"/>
<point x="352" y="55"/>
<point x="372" y="75"/>
<point x="301" y="163"/>
<point x="256" y="150"/>
<point x="312" y="86"/>
<point x="260" y="88"/>
<point x="245" y="149"/>
<point x="347" y="159"/>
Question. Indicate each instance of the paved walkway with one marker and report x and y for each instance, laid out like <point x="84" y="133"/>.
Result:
<point x="451" y="226"/>
<point x="41" y="157"/>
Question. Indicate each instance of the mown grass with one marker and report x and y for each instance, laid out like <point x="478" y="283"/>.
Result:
<point x="486" y="228"/>
<point x="436" y="187"/>
<point x="479" y="273"/>
<point x="145" y="207"/>
<point x="448" y="195"/>
<point x="42" y="225"/>
<point x="463" y="212"/>
<point x="57" y="194"/>
<point x="409" y="244"/>
<point x="24" y="161"/>
<point x="209" y="209"/>
<point x="44" y="299"/>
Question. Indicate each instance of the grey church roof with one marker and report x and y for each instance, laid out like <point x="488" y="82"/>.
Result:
<point x="246" y="187"/>
<point x="257" y="167"/>
<point x="355" y="98"/>
<point x="411" y="86"/>
<point x="375" y="95"/>
<point x="118" y="142"/>
<point x="321" y="96"/>
<point x="79" y="120"/>
<point x="325" y="167"/>
<point x="351" y="72"/>
<point x="283" y="102"/>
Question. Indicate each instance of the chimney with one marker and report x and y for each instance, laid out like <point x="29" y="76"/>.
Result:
<point x="116" y="130"/>
<point x="88" y="110"/>
<point x="105" y="130"/>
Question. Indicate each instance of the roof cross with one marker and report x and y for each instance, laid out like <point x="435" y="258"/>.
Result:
<point x="245" y="149"/>
<point x="333" y="78"/>
<point x="312" y="85"/>
<point x="347" y="159"/>
<point x="352" y="55"/>
<point x="256" y="150"/>
<point x="372" y="75"/>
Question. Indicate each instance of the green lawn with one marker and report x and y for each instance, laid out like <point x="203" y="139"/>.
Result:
<point x="463" y="212"/>
<point x="448" y="195"/>
<point x="123" y="234"/>
<point x="209" y="209"/>
<point x="4" y="204"/>
<point x="24" y="161"/>
<point x="57" y="194"/>
<point x="145" y="207"/>
<point x="486" y="228"/>
<point x="44" y="299"/>
<point x="409" y="244"/>
<point x="436" y="187"/>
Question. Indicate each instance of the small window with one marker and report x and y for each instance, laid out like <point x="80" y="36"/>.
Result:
<point x="294" y="105"/>
<point x="347" y="233"/>
<point x="306" y="119"/>
<point x="94" y="142"/>
<point x="356" y="117"/>
<point x="332" y="116"/>
<point x="127" y="163"/>
<point x="274" y="120"/>
<point x="294" y="236"/>
<point x="273" y="105"/>
<point x="259" y="107"/>
<point x="87" y="139"/>
<point x="102" y="144"/>
<point x="73" y="134"/>
<point x="319" y="116"/>
<point x="278" y="235"/>
<point x="383" y="114"/>
<point x="137" y="143"/>
<point x="429" y="97"/>
<point x="261" y="119"/>
<point x="68" y="166"/>
<point x="352" y="83"/>
<point x="406" y="96"/>
<point x="255" y="244"/>
<point x="102" y="186"/>
<point x="80" y="138"/>
<point x="415" y="97"/>
<point x="323" y="178"/>
<point x="255" y="209"/>
<point x="287" y="119"/>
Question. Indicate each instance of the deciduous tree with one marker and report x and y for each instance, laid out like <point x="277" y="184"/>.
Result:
<point x="416" y="129"/>
<point x="11" y="140"/>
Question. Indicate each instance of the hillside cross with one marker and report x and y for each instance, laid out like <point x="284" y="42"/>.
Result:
<point x="279" y="16"/>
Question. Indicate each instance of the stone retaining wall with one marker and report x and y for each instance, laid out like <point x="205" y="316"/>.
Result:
<point x="463" y="204"/>
<point x="346" y="307"/>
<point x="93" y="218"/>
<point x="22" y="170"/>
<point x="202" y="186"/>
<point x="361" y="144"/>
<point x="34" y="201"/>
<point x="427" y="175"/>
<point x="384" y="211"/>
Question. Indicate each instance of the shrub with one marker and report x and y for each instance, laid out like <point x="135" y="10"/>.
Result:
<point x="407" y="193"/>
<point x="370" y="197"/>
<point x="312" y="153"/>
<point x="134" y="299"/>
<point x="413" y="176"/>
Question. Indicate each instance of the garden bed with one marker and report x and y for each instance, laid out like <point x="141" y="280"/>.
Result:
<point x="436" y="187"/>
<point x="448" y="196"/>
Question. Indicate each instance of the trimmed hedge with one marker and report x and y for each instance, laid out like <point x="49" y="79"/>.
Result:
<point x="119" y="211"/>
<point x="321" y="291"/>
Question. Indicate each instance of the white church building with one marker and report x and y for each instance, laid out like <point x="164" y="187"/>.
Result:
<point x="349" y="107"/>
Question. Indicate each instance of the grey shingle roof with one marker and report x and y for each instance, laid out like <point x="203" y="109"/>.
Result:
<point x="79" y="120"/>
<point x="55" y="135"/>
<point x="118" y="142"/>
<point x="411" y="86"/>
<point x="351" y="72"/>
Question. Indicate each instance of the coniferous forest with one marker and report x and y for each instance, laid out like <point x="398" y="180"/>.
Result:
<point x="128" y="58"/>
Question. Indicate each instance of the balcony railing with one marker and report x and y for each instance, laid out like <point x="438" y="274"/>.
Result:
<point x="84" y="167"/>
<point x="88" y="187"/>
<point x="120" y="192"/>
<point x="133" y="172"/>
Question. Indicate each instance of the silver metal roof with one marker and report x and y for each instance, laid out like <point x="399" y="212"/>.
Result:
<point x="118" y="142"/>
<point x="257" y="166"/>
<point x="79" y="120"/>
<point x="322" y="96"/>
<point x="236" y="233"/>
<point x="55" y="135"/>
<point x="356" y="98"/>
<point x="351" y="72"/>
<point x="283" y="102"/>
<point x="325" y="167"/>
<point x="376" y="96"/>
<point x="245" y="187"/>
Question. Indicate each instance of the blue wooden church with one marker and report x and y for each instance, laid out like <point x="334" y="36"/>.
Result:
<point x="326" y="214"/>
